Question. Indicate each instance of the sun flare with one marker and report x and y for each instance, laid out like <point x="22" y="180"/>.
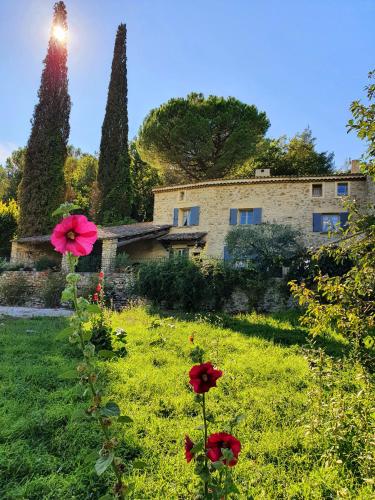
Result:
<point x="59" y="33"/>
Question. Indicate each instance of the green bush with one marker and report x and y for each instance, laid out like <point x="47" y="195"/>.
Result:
<point x="14" y="290"/>
<point x="193" y="284"/>
<point x="175" y="282"/>
<point x="8" y="226"/>
<point x="52" y="289"/>
<point x="122" y="261"/>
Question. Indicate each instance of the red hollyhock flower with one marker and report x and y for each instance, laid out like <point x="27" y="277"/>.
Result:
<point x="203" y="377"/>
<point x="95" y="297"/>
<point x="98" y="287"/>
<point x="74" y="234"/>
<point x="220" y="440"/>
<point x="189" y="445"/>
<point x="101" y="275"/>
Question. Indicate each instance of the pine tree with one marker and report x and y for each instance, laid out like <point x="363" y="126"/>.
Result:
<point x="42" y="187"/>
<point x="114" y="177"/>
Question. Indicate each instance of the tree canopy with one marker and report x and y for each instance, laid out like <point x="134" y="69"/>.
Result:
<point x="195" y="138"/>
<point x="296" y="156"/>
<point x="42" y="186"/>
<point x="114" y="163"/>
<point x="266" y="246"/>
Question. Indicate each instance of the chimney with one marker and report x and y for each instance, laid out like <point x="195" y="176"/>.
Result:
<point x="355" y="167"/>
<point x="263" y="172"/>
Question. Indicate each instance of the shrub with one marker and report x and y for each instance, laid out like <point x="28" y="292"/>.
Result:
<point x="14" y="290"/>
<point x="101" y="331"/>
<point x="122" y="262"/>
<point x="45" y="263"/>
<point x="174" y="282"/>
<point x="52" y="289"/>
<point x="8" y="226"/>
<point x="194" y="285"/>
<point x="267" y="247"/>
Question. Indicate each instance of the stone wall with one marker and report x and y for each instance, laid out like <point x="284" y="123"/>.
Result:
<point x="120" y="290"/>
<point x="118" y="286"/>
<point x="289" y="203"/>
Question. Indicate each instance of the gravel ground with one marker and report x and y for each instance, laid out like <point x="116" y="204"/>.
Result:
<point x="32" y="312"/>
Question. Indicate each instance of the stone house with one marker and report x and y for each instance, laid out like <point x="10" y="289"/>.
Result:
<point x="196" y="217"/>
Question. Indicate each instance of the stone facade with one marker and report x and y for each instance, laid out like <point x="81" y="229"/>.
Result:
<point x="282" y="200"/>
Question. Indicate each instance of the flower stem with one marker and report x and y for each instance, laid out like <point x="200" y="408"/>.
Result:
<point x="91" y="384"/>
<point x="205" y="443"/>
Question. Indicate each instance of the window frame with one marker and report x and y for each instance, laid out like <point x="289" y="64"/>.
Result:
<point x="337" y="187"/>
<point x="333" y="228"/>
<point x="312" y="189"/>
<point x="188" y="219"/>
<point x="247" y="211"/>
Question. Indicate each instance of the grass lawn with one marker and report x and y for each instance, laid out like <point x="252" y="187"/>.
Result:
<point x="46" y="446"/>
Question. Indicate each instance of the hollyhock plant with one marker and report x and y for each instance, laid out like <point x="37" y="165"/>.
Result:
<point x="203" y="377"/>
<point x="189" y="445"/>
<point x="219" y="441"/>
<point x="74" y="237"/>
<point x="214" y="455"/>
<point x="74" y="234"/>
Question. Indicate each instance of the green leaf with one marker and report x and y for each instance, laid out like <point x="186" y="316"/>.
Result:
<point x="65" y="333"/>
<point x="369" y="342"/>
<point x="106" y="354"/>
<point x="218" y="465"/>
<point x="87" y="334"/>
<point x="72" y="278"/>
<point x="67" y="294"/>
<point x="65" y="209"/>
<point x="103" y="463"/>
<point x="124" y="419"/>
<point x="111" y="409"/>
<point x="93" y="309"/>
<point x="139" y="464"/>
<point x="199" y="446"/>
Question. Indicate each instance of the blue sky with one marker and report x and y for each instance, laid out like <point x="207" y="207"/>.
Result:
<point x="301" y="61"/>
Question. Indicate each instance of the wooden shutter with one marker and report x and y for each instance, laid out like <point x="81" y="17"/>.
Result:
<point x="233" y="216"/>
<point x="344" y="219"/>
<point x="194" y="216"/>
<point x="257" y="215"/>
<point x="175" y="216"/>
<point x="317" y="223"/>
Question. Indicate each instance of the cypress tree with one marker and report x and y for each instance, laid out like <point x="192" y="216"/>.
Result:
<point x="114" y="178"/>
<point x="42" y="187"/>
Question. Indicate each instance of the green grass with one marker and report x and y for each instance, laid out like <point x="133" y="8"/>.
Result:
<point x="47" y="445"/>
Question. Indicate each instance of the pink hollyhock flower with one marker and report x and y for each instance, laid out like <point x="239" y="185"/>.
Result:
<point x="98" y="287"/>
<point x="203" y="377"/>
<point x="95" y="297"/>
<point x="216" y="442"/>
<point x="189" y="445"/>
<point x="101" y="275"/>
<point x="74" y="234"/>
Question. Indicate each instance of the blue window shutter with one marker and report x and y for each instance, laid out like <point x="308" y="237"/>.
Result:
<point x="175" y="216"/>
<point x="344" y="219"/>
<point x="233" y="216"/>
<point x="317" y="223"/>
<point x="257" y="219"/>
<point x="226" y="253"/>
<point x="194" y="216"/>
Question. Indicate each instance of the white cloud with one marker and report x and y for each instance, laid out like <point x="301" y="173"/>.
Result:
<point x="6" y="149"/>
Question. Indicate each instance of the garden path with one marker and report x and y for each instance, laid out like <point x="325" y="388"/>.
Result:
<point x="32" y="312"/>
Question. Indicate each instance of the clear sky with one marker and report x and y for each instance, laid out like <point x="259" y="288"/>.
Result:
<point x="300" y="61"/>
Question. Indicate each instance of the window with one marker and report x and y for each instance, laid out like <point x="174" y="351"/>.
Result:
<point x="186" y="217"/>
<point x="330" y="222"/>
<point x="342" y="189"/>
<point x="182" y="195"/>
<point x="317" y="190"/>
<point x="179" y="252"/>
<point x="247" y="216"/>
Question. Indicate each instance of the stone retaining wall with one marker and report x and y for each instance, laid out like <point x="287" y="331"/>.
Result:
<point x="28" y="289"/>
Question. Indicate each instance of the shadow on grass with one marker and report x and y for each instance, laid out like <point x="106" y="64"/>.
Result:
<point x="264" y="326"/>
